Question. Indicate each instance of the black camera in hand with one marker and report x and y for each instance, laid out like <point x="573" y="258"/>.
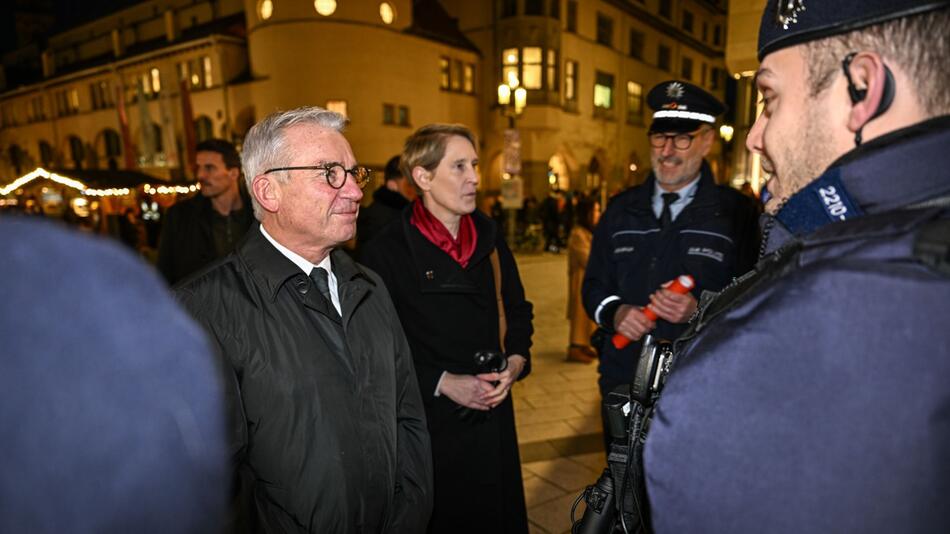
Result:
<point x="490" y="361"/>
<point x="486" y="361"/>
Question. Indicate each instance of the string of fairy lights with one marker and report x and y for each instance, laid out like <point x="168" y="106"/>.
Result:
<point x="91" y="191"/>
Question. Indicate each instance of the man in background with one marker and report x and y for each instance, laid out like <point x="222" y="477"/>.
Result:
<point x="678" y="222"/>
<point x="208" y="225"/>
<point x="388" y="201"/>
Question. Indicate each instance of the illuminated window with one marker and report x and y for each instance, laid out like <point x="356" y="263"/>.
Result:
<point x="155" y="78"/>
<point x="206" y="64"/>
<point x="531" y="67"/>
<point x="468" y="78"/>
<point x="570" y="81"/>
<point x="338" y="106"/>
<point x="444" y="64"/>
<point x="634" y="102"/>
<point x="387" y="13"/>
<point x="509" y="67"/>
<point x="198" y="71"/>
<point x="603" y="91"/>
<point x="265" y="8"/>
<point x="325" y="7"/>
<point x="534" y="68"/>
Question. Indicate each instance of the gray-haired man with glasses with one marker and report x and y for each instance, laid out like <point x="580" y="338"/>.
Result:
<point x="328" y="430"/>
<point x="678" y="222"/>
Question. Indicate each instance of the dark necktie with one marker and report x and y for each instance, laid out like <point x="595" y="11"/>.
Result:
<point x="321" y="278"/>
<point x="666" y="216"/>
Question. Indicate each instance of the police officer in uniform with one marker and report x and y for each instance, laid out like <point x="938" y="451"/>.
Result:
<point x="814" y="394"/>
<point x="678" y="222"/>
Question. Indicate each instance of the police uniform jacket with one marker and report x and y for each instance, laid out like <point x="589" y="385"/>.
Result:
<point x="327" y="437"/>
<point x="449" y="313"/>
<point x="714" y="239"/>
<point x="813" y="395"/>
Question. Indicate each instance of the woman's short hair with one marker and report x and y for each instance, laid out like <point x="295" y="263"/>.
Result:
<point x="426" y="147"/>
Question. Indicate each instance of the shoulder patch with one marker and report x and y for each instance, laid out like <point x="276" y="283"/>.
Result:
<point x="932" y="245"/>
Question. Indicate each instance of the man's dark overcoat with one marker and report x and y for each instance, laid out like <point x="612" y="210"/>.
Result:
<point x="327" y="438"/>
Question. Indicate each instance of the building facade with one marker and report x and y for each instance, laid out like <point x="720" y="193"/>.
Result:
<point x="135" y="88"/>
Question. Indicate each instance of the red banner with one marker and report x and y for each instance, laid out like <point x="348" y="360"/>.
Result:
<point x="127" y="149"/>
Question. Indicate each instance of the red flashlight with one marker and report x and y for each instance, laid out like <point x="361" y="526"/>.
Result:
<point x="681" y="285"/>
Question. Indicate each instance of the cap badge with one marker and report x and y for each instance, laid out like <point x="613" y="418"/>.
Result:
<point x="674" y="90"/>
<point x="787" y="12"/>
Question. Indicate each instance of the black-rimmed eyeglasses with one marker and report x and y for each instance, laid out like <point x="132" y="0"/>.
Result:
<point x="681" y="141"/>
<point x="335" y="173"/>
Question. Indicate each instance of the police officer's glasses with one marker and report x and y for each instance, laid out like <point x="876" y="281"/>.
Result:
<point x="680" y="141"/>
<point x="335" y="173"/>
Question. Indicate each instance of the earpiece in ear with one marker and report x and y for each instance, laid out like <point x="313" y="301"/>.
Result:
<point x="887" y="95"/>
<point x="857" y="95"/>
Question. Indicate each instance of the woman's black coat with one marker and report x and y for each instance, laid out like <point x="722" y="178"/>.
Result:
<point x="448" y="313"/>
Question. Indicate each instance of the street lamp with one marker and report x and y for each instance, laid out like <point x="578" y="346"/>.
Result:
<point x="511" y="184"/>
<point x="511" y="108"/>
<point x="726" y="131"/>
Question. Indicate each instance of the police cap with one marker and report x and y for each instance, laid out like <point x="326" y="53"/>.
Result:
<point x="790" y="22"/>
<point x="682" y="107"/>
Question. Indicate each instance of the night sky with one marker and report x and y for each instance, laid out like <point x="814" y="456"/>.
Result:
<point x="67" y="13"/>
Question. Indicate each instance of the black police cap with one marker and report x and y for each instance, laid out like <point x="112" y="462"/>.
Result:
<point x="682" y="107"/>
<point x="790" y="22"/>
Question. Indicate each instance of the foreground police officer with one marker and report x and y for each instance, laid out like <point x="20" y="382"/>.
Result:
<point x="678" y="222"/>
<point x="813" y="395"/>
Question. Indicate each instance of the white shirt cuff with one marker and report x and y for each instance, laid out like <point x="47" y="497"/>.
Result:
<point x="600" y="307"/>
<point x="438" y="384"/>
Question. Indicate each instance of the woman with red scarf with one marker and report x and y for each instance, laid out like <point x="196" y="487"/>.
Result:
<point x="437" y="262"/>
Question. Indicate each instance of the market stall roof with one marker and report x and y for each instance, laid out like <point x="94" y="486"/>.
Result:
<point x="100" y="182"/>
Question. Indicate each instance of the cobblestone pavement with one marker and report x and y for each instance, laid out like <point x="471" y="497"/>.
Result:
<point x="557" y="407"/>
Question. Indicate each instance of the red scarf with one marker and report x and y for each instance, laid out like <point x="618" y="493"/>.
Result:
<point x="461" y="248"/>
